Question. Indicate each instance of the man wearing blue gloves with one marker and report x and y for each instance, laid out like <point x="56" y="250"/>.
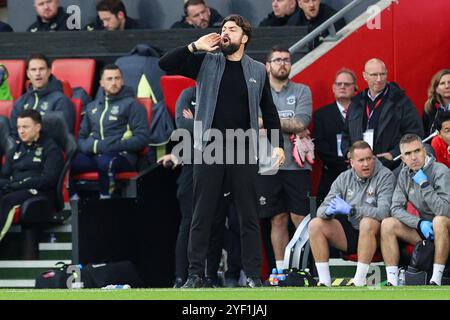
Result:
<point x="420" y="209"/>
<point x="349" y="218"/>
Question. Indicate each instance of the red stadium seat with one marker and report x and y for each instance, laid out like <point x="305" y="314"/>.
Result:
<point x="93" y="176"/>
<point x="172" y="86"/>
<point x="78" y="72"/>
<point x="16" y="78"/>
<point x="147" y="103"/>
<point x="6" y="108"/>
<point x="377" y="257"/>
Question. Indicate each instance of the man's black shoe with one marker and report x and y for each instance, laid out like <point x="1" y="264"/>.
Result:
<point x="179" y="282"/>
<point x="210" y="283"/>
<point x="193" y="281"/>
<point x="253" y="282"/>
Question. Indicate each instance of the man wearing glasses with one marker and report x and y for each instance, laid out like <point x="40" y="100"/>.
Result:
<point x="380" y="115"/>
<point x="328" y="125"/>
<point x="284" y="196"/>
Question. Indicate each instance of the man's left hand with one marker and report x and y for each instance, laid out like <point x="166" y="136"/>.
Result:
<point x="278" y="154"/>
<point x="386" y="155"/>
<point x="340" y="206"/>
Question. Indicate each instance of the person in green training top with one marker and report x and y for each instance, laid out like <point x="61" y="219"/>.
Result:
<point x="5" y="93"/>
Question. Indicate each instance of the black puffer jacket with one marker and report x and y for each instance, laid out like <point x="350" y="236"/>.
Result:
<point x="48" y="99"/>
<point x="58" y="23"/>
<point x="398" y="117"/>
<point x="36" y="166"/>
<point x="214" y="22"/>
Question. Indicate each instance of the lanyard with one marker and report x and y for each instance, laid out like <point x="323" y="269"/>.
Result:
<point x="370" y="113"/>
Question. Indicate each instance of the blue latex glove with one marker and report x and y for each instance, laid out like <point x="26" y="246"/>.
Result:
<point x="420" y="177"/>
<point x="340" y="206"/>
<point x="426" y="227"/>
<point x="330" y="211"/>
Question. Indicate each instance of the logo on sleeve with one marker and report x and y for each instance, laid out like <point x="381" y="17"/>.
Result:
<point x="44" y="106"/>
<point x="262" y="201"/>
<point x="291" y="100"/>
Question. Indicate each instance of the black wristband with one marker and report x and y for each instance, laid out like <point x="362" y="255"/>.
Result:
<point x="424" y="184"/>
<point x="194" y="47"/>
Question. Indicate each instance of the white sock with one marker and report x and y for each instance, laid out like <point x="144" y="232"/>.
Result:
<point x="438" y="271"/>
<point x="280" y="264"/>
<point x="360" y="276"/>
<point x="392" y="275"/>
<point x="323" y="269"/>
<point x="105" y="196"/>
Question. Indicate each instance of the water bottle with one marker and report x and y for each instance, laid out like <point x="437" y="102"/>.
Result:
<point x="117" y="287"/>
<point x="52" y="237"/>
<point x="273" y="278"/>
<point x="401" y="277"/>
<point x="281" y="275"/>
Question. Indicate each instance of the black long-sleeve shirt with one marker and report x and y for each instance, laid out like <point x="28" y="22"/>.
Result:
<point x="232" y="107"/>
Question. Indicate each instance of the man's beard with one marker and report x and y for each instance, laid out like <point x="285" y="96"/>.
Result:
<point x="229" y="49"/>
<point x="281" y="76"/>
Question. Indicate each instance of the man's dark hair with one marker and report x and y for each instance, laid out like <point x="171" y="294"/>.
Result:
<point x="38" y="56"/>
<point x="189" y="3"/>
<point x="241" y="22"/>
<point x="277" y="48"/>
<point x="358" y="145"/>
<point x="113" y="6"/>
<point x="109" y="67"/>
<point x="443" y="117"/>
<point x="408" y="138"/>
<point x="33" y="114"/>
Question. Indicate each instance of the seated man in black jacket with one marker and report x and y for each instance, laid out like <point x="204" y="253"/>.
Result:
<point x="32" y="168"/>
<point x="112" y="16"/>
<point x="50" y="17"/>
<point x="198" y="15"/>
<point x="282" y="14"/>
<point x="113" y="130"/>
<point x="312" y="14"/>
<point x="44" y="94"/>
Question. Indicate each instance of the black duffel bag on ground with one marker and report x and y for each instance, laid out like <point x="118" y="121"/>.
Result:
<point x="420" y="268"/>
<point x="58" y="278"/>
<point x="113" y="273"/>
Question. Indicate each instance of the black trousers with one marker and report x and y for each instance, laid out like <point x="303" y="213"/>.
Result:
<point x="185" y="199"/>
<point x="210" y="183"/>
<point x="7" y="202"/>
<point x="232" y="245"/>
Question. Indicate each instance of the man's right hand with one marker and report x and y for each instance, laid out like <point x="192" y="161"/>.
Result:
<point x="208" y="43"/>
<point x="169" y="161"/>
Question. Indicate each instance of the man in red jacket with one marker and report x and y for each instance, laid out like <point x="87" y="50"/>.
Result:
<point x="441" y="143"/>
